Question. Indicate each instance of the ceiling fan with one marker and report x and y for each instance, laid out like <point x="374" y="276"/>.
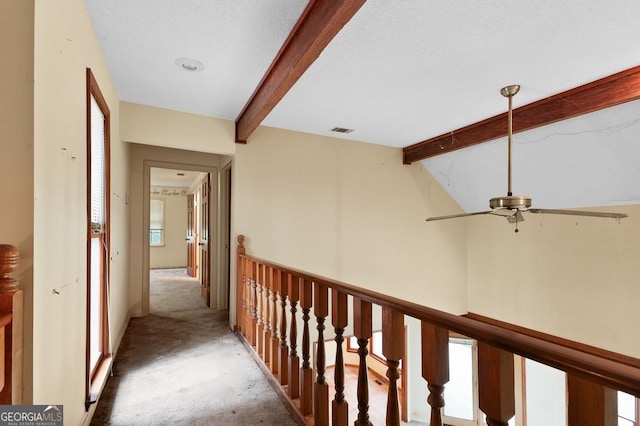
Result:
<point x="512" y="206"/>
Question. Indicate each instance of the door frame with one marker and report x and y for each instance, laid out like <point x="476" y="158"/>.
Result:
<point x="213" y="219"/>
<point x="226" y="189"/>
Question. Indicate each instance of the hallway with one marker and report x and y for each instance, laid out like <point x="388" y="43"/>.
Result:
<point x="181" y="365"/>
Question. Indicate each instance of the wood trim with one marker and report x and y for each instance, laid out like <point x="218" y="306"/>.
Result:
<point x="316" y="27"/>
<point x="610" y="372"/>
<point x="600" y="94"/>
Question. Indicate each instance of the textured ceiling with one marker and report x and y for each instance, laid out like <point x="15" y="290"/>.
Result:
<point x="404" y="71"/>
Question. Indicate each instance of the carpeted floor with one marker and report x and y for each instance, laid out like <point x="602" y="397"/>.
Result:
<point x="182" y="365"/>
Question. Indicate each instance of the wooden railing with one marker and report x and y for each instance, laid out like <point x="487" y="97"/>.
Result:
<point x="265" y="291"/>
<point x="11" y="328"/>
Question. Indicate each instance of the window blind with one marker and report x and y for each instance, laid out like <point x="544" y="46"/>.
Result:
<point x="97" y="168"/>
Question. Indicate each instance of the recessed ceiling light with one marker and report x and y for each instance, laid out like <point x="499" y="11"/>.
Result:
<point x="341" y="130"/>
<point x="188" y="64"/>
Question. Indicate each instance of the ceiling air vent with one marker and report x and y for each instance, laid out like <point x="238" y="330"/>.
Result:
<point x="341" y="130"/>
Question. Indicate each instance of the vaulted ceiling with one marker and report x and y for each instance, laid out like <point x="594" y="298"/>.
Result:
<point x="398" y="73"/>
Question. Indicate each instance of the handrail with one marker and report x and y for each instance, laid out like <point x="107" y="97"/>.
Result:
<point x="621" y="372"/>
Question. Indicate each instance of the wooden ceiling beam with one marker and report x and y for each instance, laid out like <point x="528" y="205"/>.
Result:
<point x="603" y="93"/>
<point x="317" y="26"/>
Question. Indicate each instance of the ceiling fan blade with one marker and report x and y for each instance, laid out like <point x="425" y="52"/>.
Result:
<point x="453" y="216"/>
<point x="580" y="213"/>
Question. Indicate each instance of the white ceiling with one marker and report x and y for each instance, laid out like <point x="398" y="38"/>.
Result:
<point x="401" y="72"/>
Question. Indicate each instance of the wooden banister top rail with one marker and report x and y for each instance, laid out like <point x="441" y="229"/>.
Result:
<point x="617" y="372"/>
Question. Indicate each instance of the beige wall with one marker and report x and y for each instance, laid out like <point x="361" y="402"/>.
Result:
<point x="569" y="276"/>
<point x="16" y="152"/>
<point x="350" y="211"/>
<point x="173" y="254"/>
<point x="148" y="125"/>
<point x="65" y="46"/>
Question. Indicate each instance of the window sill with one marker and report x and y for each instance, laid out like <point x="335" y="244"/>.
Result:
<point x="99" y="381"/>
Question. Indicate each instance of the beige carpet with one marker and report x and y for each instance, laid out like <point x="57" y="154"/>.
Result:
<point x="182" y="365"/>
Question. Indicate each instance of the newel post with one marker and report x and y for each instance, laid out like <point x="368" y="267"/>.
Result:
<point x="11" y="304"/>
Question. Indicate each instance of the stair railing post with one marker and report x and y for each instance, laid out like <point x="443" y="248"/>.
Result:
<point x="321" y="387"/>
<point x="393" y="349"/>
<point x="339" y="318"/>
<point x="362" y="330"/>
<point x="275" y="337"/>
<point x="435" y="367"/>
<point x="306" y="372"/>
<point x="294" y="359"/>
<point x="496" y="384"/>
<point x="590" y="404"/>
<point x="283" y="350"/>
<point x="260" y="310"/>
<point x="252" y="314"/>
<point x="241" y="279"/>
<point x="266" y="309"/>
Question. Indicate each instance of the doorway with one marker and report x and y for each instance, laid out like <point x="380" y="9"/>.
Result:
<point x="179" y="217"/>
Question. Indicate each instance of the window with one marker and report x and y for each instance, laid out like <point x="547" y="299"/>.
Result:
<point x="375" y="349"/>
<point x="628" y="408"/>
<point x="156" y="222"/>
<point x="98" y="203"/>
<point x="460" y="392"/>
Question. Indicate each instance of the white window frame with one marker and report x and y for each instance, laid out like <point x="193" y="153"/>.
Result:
<point x="162" y="222"/>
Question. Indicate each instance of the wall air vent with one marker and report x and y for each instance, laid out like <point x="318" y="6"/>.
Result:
<point x="341" y="130"/>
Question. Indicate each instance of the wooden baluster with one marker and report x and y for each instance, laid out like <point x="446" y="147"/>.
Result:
<point x="248" y="292"/>
<point x="275" y="338"/>
<point x="241" y="279"/>
<point x="293" y="292"/>
<point x="254" y="305"/>
<point x="266" y="279"/>
<point x="495" y="384"/>
<point x="283" y="350"/>
<point x="393" y="350"/>
<point x="11" y="301"/>
<point x="435" y="367"/>
<point x="321" y="387"/>
<point x="362" y="329"/>
<point x="306" y="372"/>
<point x="590" y="404"/>
<point x="259" y="309"/>
<point x="339" y="318"/>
